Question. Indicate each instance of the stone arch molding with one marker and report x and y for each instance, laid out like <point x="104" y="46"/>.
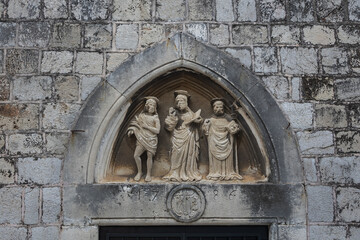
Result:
<point x="90" y="150"/>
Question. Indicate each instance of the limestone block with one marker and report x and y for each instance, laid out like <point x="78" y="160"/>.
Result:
<point x="89" y="63"/>
<point x="172" y="29"/>
<point x="59" y="116"/>
<point x="31" y="205"/>
<point x="320" y="142"/>
<point x="340" y="170"/>
<point x="349" y="34"/>
<point x="334" y="60"/>
<point x="295" y="88"/>
<point x="13" y="233"/>
<point x="56" y="142"/>
<point x="278" y="86"/>
<point x="348" y="141"/>
<point x="22" y="61"/>
<point x="127" y="36"/>
<point x="348" y="89"/>
<point x="354" y="113"/>
<point x="45" y="233"/>
<point x="347" y="204"/>
<point x="327" y="115"/>
<point x="66" y="35"/>
<point x="249" y="34"/>
<point x="354" y="233"/>
<point x="292" y="232"/>
<point x="219" y="34"/>
<point x="317" y="34"/>
<point x="28" y="9"/>
<point x="39" y="171"/>
<point x="285" y="34"/>
<point x="201" y="10"/>
<point x="7" y="171"/>
<point x="25" y="143"/>
<point x="299" y="60"/>
<point x="327" y="232"/>
<point x="98" y="36"/>
<point x="2" y="143"/>
<point x="318" y="88"/>
<point x="301" y="11"/>
<point x="310" y="169"/>
<point x="8" y="34"/>
<point x="19" y="116"/>
<point x="246" y="10"/>
<point x="79" y="233"/>
<point x="51" y="206"/>
<point x="354" y="10"/>
<point x="2" y="7"/>
<point x="10" y="205"/>
<point x="355" y="59"/>
<point x="272" y="10"/>
<point x="40" y="88"/>
<point x="300" y="114"/>
<point x="35" y="34"/>
<point x="88" y="84"/>
<point x="241" y="54"/>
<point x="170" y="10"/>
<point x="224" y="10"/>
<point x="265" y="59"/>
<point x="1" y="61"/>
<point x="320" y="203"/>
<point x="67" y="88"/>
<point x="132" y="10"/>
<point x="55" y="9"/>
<point x="330" y="11"/>
<point x="114" y="59"/>
<point x="150" y="34"/>
<point x="57" y="62"/>
<point x="4" y="88"/>
<point x="198" y="30"/>
<point x="90" y="10"/>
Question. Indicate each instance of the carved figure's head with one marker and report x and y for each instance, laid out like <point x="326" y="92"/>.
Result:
<point x="181" y="102"/>
<point x="218" y="107"/>
<point x="151" y="104"/>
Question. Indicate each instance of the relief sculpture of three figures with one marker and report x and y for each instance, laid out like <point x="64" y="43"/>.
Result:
<point x="184" y="125"/>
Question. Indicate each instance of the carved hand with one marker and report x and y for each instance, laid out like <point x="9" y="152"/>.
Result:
<point x="172" y="111"/>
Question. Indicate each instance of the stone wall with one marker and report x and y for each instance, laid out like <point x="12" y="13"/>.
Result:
<point x="53" y="53"/>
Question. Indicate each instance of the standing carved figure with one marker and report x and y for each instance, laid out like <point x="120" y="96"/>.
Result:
<point x="145" y="127"/>
<point x="220" y="130"/>
<point x="183" y="123"/>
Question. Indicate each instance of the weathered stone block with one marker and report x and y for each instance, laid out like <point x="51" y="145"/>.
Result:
<point x="59" y="116"/>
<point x="295" y="88"/>
<point x="88" y="84"/>
<point x="8" y="34"/>
<point x="28" y="9"/>
<point x="318" y="88"/>
<point x="348" y="204"/>
<point x="272" y="10"/>
<point x="355" y="59"/>
<point x="13" y="233"/>
<point x="301" y="11"/>
<point x="310" y="169"/>
<point x="327" y="115"/>
<point x="41" y="88"/>
<point x="219" y="34"/>
<point x="170" y="10"/>
<point x="90" y="10"/>
<point x="10" y="205"/>
<point x="151" y="33"/>
<point x="224" y="10"/>
<point x="45" y="233"/>
<point x="56" y="142"/>
<point x="2" y="144"/>
<point x="127" y="36"/>
<point x="334" y="60"/>
<point x="172" y="29"/>
<point x="241" y="54"/>
<point x="354" y="10"/>
<point x="330" y="11"/>
<point x="348" y="89"/>
<point x="354" y="113"/>
<point x="67" y="88"/>
<point x="51" y="206"/>
<point x="198" y="30"/>
<point x="317" y="34"/>
<point x="89" y="63"/>
<point x="66" y="35"/>
<point x="1" y="61"/>
<point x="285" y="34"/>
<point x="348" y="141"/>
<point x="19" y="116"/>
<point x="98" y="36"/>
<point x="132" y="10"/>
<point x="320" y="142"/>
<point x="349" y="34"/>
<point x="327" y="232"/>
<point x="340" y="170"/>
<point x="79" y="233"/>
<point x="299" y="60"/>
<point x="354" y="233"/>
<point x="300" y="114"/>
<point x="57" y="62"/>
<point x="39" y="171"/>
<point x="4" y="88"/>
<point x="292" y="232"/>
<point x="278" y="86"/>
<point x="22" y="61"/>
<point x="115" y="59"/>
<point x="7" y="170"/>
<point x="265" y="59"/>
<point x="34" y="34"/>
<point x="31" y="205"/>
<point x="25" y="143"/>
<point x="201" y="10"/>
<point x="320" y="203"/>
<point x="246" y="10"/>
<point x="249" y="34"/>
<point x="55" y="9"/>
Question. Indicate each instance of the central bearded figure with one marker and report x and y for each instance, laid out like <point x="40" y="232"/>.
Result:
<point x="184" y="124"/>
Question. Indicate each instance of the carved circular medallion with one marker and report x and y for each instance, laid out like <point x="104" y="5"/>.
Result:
<point x="186" y="203"/>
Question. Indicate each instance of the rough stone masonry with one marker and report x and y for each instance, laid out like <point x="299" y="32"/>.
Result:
<point x="53" y="54"/>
